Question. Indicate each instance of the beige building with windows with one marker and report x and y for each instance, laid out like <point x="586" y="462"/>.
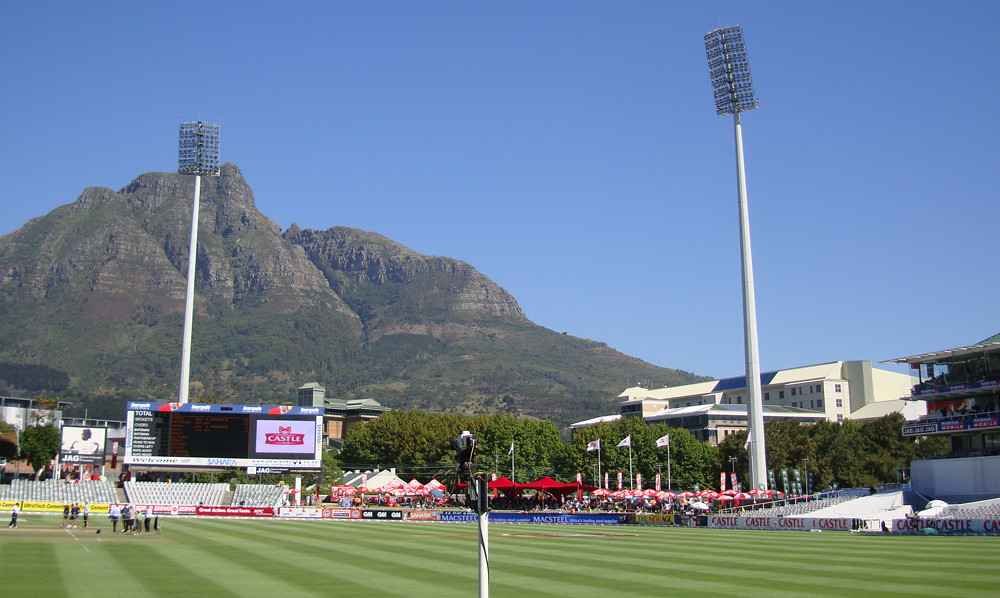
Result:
<point x="834" y="391"/>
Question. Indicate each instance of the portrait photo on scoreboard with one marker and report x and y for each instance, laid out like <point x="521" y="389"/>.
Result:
<point x="285" y="436"/>
<point x="82" y="444"/>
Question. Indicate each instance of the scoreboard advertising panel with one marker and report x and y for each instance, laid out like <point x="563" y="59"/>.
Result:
<point x="200" y="435"/>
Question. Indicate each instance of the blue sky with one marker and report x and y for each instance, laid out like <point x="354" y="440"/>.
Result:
<point x="569" y="150"/>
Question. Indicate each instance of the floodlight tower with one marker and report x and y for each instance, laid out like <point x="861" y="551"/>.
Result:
<point x="732" y="86"/>
<point x="198" y="154"/>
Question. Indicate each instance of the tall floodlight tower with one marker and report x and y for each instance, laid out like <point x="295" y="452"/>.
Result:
<point x="732" y="86"/>
<point x="198" y="154"/>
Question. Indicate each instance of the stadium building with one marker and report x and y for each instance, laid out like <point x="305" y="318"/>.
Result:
<point x="338" y="415"/>
<point x="960" y="388"/>
<point x="714" y="409"/>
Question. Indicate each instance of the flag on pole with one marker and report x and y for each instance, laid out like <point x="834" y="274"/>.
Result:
<point x="663" y="441"/>
<point x="619" y="480"/>
<point x="511" y="451"/>
<point x="594" y="445"/>
<point x="638" y="481"/>
<point x="606" y="487"/>
<point x="626" y="442"/>
<point x="657" y="482"/>
<point x="746" y="445"/>
<point x="722" y="481"/>
<point x="733" y="481"/>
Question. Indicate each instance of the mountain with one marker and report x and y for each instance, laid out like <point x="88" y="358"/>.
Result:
<point x="92" y="299"/>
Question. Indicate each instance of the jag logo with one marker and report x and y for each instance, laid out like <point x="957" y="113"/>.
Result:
<point x="285" y="437"/>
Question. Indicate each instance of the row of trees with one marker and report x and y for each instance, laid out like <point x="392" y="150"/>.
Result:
<point x="849" y="455"/>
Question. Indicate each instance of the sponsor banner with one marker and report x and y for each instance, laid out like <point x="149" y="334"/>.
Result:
<point x="333" y="513"/>
<point x="6" y="505"/>
<point x="42" y="506"/>
<point x="301" y="512"/>
<point x="780" y="523"/>
<point x="381" y="514"/>
<point x="560" y="518"/>
<point x="163" y="509"/>
<point x="959" y="423"/>
<point x="82" y="444"/>
<point x="946" y="526"/>
<point x="460" y="516"/>
<point x="285" y="436"/>
<point x="234" y="511"/>
<point x="422" y="516"/>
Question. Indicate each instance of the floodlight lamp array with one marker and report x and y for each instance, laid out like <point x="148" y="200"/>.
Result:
<point x="729" y="70"/>
<point x="198" y="149"/>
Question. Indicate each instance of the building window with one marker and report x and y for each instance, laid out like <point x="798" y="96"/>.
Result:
<point x="812" y="404"/>
<point x="819" y="403"/>
<point x="793" y="392"/>
<point x="781" y="394"/>
<point x="836" y="388"/>
<point x="840" y="403"/>
<point x="840" y="418"/>
<point x="767" y="396"/>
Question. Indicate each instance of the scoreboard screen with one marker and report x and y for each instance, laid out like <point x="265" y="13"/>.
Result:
<point x="196" y="435"/>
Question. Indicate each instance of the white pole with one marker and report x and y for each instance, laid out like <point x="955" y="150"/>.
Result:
<point x="598" y="463"/>
<point x="668" y="467"/>
<point x="484" y="555"/>
<point x="631" y="477"/>
<point x="182" y="395"/>
<point x="758" y="464"/>
<point x="512" y="460"/>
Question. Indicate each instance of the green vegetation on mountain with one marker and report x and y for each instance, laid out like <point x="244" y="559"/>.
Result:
<point x="92" y="295"/>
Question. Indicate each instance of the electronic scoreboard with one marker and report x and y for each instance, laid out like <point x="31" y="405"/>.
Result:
<point x="203" y="435"/>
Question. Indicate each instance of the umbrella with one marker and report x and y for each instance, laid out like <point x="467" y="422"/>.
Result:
<point x="724" y="498"/>
<point x="700" y="506"/>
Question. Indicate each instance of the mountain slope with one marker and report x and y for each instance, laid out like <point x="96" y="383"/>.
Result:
<point x="95" y="289"/>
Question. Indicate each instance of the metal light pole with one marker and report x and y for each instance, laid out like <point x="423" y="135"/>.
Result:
<point x="198" y="154"/>
<point x="732" y="87"/>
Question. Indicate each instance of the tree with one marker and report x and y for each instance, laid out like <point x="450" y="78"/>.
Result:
<point x="39" y="444"/>
<point x="8" y="441"/>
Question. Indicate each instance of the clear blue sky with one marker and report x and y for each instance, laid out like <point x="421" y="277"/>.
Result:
<point x="569" y="150"/>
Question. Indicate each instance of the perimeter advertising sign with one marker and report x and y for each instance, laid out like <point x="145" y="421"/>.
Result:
<point x="82" y="444"/>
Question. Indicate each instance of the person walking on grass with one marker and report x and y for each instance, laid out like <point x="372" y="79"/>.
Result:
<point x="13" y="517"/>
<point x="86" y="513"/>
<point x="66" y="514"/>
<point x="114" y="513"/>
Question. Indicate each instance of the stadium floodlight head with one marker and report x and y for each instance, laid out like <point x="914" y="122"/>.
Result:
<point x="729" y="69"/>
<point x="198" y="150"/>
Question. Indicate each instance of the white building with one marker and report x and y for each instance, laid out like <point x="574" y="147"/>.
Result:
<point x="832" y="391"/>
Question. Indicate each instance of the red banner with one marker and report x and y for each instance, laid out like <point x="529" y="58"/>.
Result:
<point x="235" y="511"/>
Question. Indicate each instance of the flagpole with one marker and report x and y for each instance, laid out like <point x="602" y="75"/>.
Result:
<point x="598" y="462"/>
<point x="631" y="477"/>
<point x="668" y="466"/>
<point x="512" y="460"/>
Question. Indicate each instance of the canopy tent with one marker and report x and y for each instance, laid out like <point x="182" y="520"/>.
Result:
<point x="504" y="483"/>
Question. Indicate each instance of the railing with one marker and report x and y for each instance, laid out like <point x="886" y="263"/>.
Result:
<point x="782" y="502"/>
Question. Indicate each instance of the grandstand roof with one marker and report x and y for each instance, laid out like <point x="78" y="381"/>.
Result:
<point x="739" y="410"/>
<point x="596" y="420"/>
<point x="935" y="356"/>
<point x="911" y="410"/>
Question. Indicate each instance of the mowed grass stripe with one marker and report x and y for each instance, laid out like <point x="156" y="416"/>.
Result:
<point x="562" y="566"/>
<point x="249" y="572"/>
<point x="29" y="569"/>
<point x="458" y="562"/>
<point x="815" y="572"/>
<point x="161" y="575"/>
<point x="281" y="567"/>
<point x="394" y="573"/>
<point x="414" y="553"/>
<point x="739" y="561"/>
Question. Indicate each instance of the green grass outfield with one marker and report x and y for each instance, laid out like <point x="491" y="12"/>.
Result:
<point x="245" y="559"/>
